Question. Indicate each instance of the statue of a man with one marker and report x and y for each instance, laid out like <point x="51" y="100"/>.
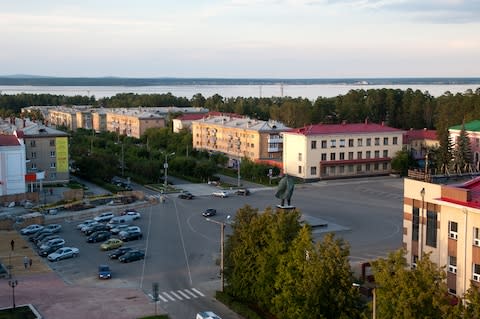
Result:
<point x="285" y="189"/>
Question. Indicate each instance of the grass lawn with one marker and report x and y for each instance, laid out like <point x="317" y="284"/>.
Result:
<point x="23" y="312"/>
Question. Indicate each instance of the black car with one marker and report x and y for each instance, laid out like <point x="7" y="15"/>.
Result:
<point x="119" y="252"/>
<point x="99" y="236"/>
<point x="132" y="256"/>
<point x="46" y="238"/>
<point x="37" y="235"/>
<point x="130" y="235"/>
<point x="209" y="212"/>
<point x="96" y="228"/>
<point x="50" y="249"/>
<point x="243" y="192"/>
<point x="186" y="195"/>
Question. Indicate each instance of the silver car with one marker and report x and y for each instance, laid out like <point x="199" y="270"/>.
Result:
<point x="64" y="252"/>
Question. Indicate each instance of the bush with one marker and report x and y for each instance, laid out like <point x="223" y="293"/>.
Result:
<point x="237" y="306"/>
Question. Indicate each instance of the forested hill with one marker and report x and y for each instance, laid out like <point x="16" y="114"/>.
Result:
<point x="119" y="81"/>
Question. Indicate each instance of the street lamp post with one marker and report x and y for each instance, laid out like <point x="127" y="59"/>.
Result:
<point x="13" y="283"/>
<point x="165" y="167"/>
<point x="420" y="225"/>
<point x="222" y="247"/>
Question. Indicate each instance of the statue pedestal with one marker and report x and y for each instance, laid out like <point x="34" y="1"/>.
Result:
<point x="286" y="207"/>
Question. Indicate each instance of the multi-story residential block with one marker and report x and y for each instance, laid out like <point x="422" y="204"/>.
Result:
<point x="239" y="137"/>
<point x="419" y="142"/>
<point x="12" y="165"/>
<point x="340" y="150"/>
<point x="185" y="121"/>
<point x="444" y="221"/>
<point x="133" y="123"/>
<point x="46" y="150"/>
<point x="473" y="131"/>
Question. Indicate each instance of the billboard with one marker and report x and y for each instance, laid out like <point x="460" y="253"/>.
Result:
<point x="61" y="144"/>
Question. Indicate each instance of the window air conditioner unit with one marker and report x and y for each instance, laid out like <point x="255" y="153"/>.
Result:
<point x="476" y="242"/>
<point x="453" y="235"/>
<point x="452" y="269"/>
<point x="476" y="277"/>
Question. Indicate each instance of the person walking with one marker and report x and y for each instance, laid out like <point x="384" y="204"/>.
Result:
<point x="25" y="262"/>
<point x="30" y="262"/>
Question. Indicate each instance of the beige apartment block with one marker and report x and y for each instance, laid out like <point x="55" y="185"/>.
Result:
<point x="239" y="137"/>
<point x="133" y="122"/>
<point x="444" y="221"/>
<point x="63" y="116"/>
<point x="340" y="150"/>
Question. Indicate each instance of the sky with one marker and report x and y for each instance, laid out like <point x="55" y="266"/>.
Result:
<point x="241" y="38"/>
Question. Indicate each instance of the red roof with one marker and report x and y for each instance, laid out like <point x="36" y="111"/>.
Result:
<point x="344" y="128"/>
<point x="190" y="117"/>
<point x="420" y="135"/>
<point x="9" y="140"/>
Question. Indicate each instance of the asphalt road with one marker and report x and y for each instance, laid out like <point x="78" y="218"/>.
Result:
<point x="182" y="248"/>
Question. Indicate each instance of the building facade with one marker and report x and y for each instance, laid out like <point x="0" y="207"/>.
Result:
<point x="444" y="221"/>
<point x="12" y="165"/>
<point x="473" y="130"/>
<point x="340" y="150"/>
<point x="419" y="142"/>
<point x="133" y="123"/>
<point x="239" y="137"/>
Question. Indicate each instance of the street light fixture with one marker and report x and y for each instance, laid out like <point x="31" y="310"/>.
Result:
<point x="222" y="247"/>
<point x="165" y="167"/>
<point x="13" y="283"/>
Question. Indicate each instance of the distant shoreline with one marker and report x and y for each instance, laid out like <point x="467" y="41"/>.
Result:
<point x="133" y="82"/>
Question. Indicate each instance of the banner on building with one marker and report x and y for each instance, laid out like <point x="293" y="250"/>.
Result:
<point x="62" y="154"/>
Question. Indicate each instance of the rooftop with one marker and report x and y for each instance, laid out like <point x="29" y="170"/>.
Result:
<point x="473" y="126"/>
<point x="344" y="128"/>
<point x="424" y="134"/>
<point x="9" y="140"/>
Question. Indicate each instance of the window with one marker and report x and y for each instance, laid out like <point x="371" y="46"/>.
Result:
<point x="53" y="165"/>
<point x="350" y="142"/>
<point x="299" y="157"/>
<point x="34" y="166"/>
<point x="32" y="144"/>
<point x="377" y="140"/>
<point x="377" y="154"/>
<point x="341" y="169"/>
<point x="359" y="168"/>
<point x="342" y="156"/>
<point x="452" y="264"/>
<point x="34" y="154"/>
<point x="342" y="143"/>
<point x="252" y="145"/>
<point x="350" y="168"/>
<point x="333" y="143"/>
<point x="452" y="230"/>
<point x="385" y="153"/>
<point x="394" y="140"/>
<point x="324" y="156"/>
<point x="476" y="236"/>
<point x="332" y="170"/>
<point x="385" y="141"/>
<point x="369" y="142"/>
<point x="431" y="229"/>
<point x="375" y="166"/>
<point x="369" y="154"/>
<point x="324" y="144"/>
<point x="350" y="155"/>
<point x="367" y="167"/>
<point x="359" y="142"/>
<point x="476" y="272"/>
<point x="332" y="156"/>
<point x="313" y="145"/>
<point x="385" y="166"/>
<point x="313" y="170"/>
<point x="299" y="169"/>
<point x="52" y="142"/>
<point x="53" y="175"/>
<point x="359" y="155"/>
<point x="415" y="223"/>
<point x="52" y="153"/>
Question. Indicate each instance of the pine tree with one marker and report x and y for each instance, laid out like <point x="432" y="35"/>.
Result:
<point x="463" y="151"/>
<point x="444" y="154"/>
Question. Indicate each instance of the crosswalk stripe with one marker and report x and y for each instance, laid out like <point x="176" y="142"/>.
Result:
<point x="198" y="292"/>
<point x="161" y="297"/>
<point x="176" y="296"/>
<point x="183" y="294"/>
<point x="190" y="293"/>
<point x="168" y="296"/>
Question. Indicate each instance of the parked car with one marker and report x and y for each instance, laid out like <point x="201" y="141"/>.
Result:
<point x="104" y="272"/>
<point x="207" y="315"/>
<point x="89" y="226"/>
<point x="52" y="242"/>
<point x="31" y="229"/>
<point x="130" y="235"/>
<point x="99" y="236"/>
<point x="104" y="217"/>
<point x="135" y="215"/>
<point x="221" y="194"/>
<point x="132" y="256"/>
<point x="186" y="195"/>
<point x="85" y="223"/>
<point x="45" y="239"/>
<point x="209" y="212"/>
<point x="63" y="253"/>
<point x="117" y="229"/>
<point x="119" y="252"/>
<point x="111" y="243"/>
<point x="51" y="248"/>
<point x="242" y="192"/>
<point x="54" y="228"/>
<point x="118" y="220"/>
<point x="96" y="228"/>
<point x="37" y="235"/>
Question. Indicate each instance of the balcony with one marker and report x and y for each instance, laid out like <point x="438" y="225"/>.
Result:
<point x="272" y="140"/>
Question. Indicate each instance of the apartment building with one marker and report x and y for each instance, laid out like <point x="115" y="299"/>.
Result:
<point x="340" y="150"/>
<point x="12" y="165"/>
<point x="473" y="130"/>
<point x="133" y="123"/>
<point x="239" y="137"/>
<point x="419" y="142"/>
<point x="444" y="221"/>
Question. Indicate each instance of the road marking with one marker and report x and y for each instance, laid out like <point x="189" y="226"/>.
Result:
<point x="176" y="296"/>
<point x="168" y="296"/>
<point x="190" y="293"/>
<point x="183" y="294"/>
<point x="179" y="295"/>
<point x="161" y="297"/>
<point x="198" y="292"/>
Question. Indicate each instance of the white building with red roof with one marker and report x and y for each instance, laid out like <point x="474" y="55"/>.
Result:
<point x="12" y="165"/>
<point x="325" y="151"/>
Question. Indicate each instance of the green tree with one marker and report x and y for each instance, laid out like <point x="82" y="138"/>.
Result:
<point x="462" y="154"/>
<point x="402" y="161"/>
<point x="444" y="154"/>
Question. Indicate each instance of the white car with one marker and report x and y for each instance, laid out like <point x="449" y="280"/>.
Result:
<point x="31" y="229"/>
<point x="85" y="223"/>
<point x="221" y="194"/>
<point x="207" y="315"/>
<point x="52" y="242"/>
<point x="134" y="215"/>
<point x="104" y="217"/>
<point x="90" y="225"/>
<point x="117" y="229"/>
<point x="130" y="229"/>
<point x="62" y="253"/>
<point x="54" y="228"/>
